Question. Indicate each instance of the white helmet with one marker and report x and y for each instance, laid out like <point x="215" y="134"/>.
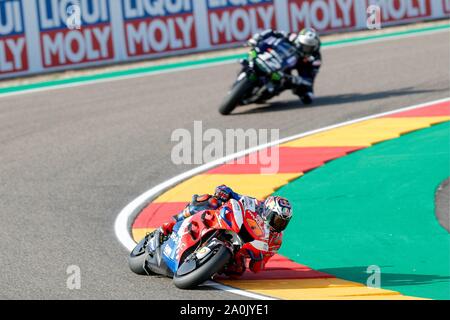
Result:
<point x="307" y="41"/>
<point x="277" y="212"/>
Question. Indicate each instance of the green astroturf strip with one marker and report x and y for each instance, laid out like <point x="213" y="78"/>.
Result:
<point x="376" y="207"/>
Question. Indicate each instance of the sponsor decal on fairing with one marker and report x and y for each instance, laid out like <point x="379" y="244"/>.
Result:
<point x="237" y="212"/>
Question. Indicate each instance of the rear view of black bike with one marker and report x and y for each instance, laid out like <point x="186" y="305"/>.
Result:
<point x="263" y="75"/>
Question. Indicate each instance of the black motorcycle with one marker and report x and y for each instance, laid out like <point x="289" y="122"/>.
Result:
<point x="263" y="75"/>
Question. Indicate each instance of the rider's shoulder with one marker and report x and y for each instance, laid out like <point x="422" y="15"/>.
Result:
<point x="291" y="36"/>
<point x="267" y="32"/>
<point x="245" y="198"/>
<point x="272" y="33"/>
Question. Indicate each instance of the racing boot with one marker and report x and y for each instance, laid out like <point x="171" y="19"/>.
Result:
<point x="307" y="98"/>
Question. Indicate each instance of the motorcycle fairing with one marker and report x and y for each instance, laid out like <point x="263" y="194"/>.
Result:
<point x="172" y="246"/>
<point x="235" y="215"/>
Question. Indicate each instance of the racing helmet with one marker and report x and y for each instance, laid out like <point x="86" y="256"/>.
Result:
<point x="307" y="41"/>
<point x="277" y="213"/>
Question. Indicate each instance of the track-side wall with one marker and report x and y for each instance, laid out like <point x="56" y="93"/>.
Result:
<point x="35" y="37"/>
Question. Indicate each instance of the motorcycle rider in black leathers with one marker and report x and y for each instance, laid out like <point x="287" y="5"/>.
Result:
<point x="308" y="44"/>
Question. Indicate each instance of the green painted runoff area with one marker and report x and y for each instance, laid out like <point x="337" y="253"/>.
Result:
<point x="376" y="207"/>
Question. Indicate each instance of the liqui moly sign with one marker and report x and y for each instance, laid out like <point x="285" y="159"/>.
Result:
<point x="232" y="21"/>
<point x="13" y="48"/>
<point x="158" y="26"/>
<point x="322" y="15"/>
<point x="401" y="10"/>
<point x="63" y="44"/>
<point x="446" y="6"/>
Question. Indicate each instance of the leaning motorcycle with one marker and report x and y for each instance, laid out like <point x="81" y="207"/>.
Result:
<point x="262" y="75"/>
<point x="200" y="246"/>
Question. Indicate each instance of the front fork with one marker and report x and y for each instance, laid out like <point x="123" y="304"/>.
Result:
<point x="247" y="70"/>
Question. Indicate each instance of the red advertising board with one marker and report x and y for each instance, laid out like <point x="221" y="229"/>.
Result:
<point x="402" y="10"/>
<point x="230" y="22"/>
<point x="322" y="15"/>
<point x="158" y="26"/>
<point x="62" y="46"/>
<point x="13" y="47"/>
<point x="446" y="6"/>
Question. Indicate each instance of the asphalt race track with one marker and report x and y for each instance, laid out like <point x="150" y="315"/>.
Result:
<point x="72" y="158"/>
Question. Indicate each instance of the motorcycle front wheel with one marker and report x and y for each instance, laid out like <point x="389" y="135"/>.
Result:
<point x="138" y="256"/>
<point x="205" y="271"/>
<point x="235" y="95"/>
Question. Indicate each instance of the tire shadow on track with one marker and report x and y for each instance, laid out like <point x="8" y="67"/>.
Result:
<point x="329" y="100"/>
<point x="359" y="274"/>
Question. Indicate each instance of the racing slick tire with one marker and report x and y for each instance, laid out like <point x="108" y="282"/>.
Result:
<point x="234" y="96"/>
<point x="138" y="258"/>
<point x="205" y="271"/>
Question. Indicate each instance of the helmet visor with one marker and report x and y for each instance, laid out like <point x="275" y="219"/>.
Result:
<point x="307" y="49"/>
<point x="279" y="223"/>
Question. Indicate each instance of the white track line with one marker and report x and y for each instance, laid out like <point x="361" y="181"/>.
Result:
<point x="122" y="225"/>
<point x="209" y="64"/>
<point x="240" y="292"/>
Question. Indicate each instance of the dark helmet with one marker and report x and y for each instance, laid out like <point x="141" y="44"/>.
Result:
<point x="277" y="213"/>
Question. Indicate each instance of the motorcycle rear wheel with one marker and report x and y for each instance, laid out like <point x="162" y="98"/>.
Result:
<point x="205" y="271"/>
<point x="234" y="96"/>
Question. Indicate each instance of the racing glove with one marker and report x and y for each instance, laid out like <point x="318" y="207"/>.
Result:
<point x="224" y="193"/>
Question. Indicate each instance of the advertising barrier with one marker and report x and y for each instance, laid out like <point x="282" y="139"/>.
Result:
<point x="63" y="44"/>
<point x="394" y="11"/>
<point x="158" y="26"/>
<point x="446" y="7"/>
<point x="231" y="23"/>
<point x="322" y="15"/>
<point x="13" y="46"/>
<point x="38" y="36"/>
